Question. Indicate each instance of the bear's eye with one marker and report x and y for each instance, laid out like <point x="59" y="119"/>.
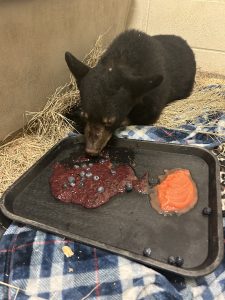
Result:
<point x="84" y="115"/>
<point x="108" y="122"/>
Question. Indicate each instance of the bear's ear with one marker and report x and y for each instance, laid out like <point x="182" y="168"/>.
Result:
<point x="139" y="85"/>
<point x="77" y="68"/>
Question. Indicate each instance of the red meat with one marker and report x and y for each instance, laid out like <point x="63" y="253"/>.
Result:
<point x="92" y="193"/>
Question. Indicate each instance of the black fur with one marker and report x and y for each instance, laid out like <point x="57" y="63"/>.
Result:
<point x="119" y="84"/>
<point x="135" y="79"/>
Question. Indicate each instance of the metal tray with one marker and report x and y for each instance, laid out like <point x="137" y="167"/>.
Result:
<point x="127" y="223"/>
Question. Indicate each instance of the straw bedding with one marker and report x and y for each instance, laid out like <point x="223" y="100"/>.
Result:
<point x="47" y="127"/>
<point x="201" y="101"/>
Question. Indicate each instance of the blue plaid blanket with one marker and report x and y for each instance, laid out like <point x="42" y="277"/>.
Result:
<point x="34" y="265"/>
<point x="197" y="133"/>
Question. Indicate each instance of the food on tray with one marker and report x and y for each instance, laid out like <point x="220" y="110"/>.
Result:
<point x="175" y="261"/>
<point x="92" y="183"/>
<point x="176" y="192"/>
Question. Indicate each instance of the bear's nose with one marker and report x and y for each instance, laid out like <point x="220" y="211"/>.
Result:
<point x="91" y="151"/>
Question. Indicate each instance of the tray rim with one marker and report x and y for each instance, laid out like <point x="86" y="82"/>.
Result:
<point x="138" y="258"/>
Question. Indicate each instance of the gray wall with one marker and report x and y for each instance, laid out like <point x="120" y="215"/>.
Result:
<point x="200" y="22"/>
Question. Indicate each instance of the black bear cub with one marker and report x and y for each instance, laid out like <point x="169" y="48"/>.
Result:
<point x="134" y="80"/>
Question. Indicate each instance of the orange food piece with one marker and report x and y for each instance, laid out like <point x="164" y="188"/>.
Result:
<point x="176" y="193"/>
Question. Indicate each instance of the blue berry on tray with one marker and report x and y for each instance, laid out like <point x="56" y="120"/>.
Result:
<point x="89" y="175"/>
<point x="147" y="252"/>
<point x="172" y="260"/>
<point x="82" y="174"/>
<point x="101" y="189"/>
<point x="153" y="181"/>
<point x="179" y="261"/>
<point x="207" y="211"/>
<point x="128" y="187"/>
<point x="71" y="179"/>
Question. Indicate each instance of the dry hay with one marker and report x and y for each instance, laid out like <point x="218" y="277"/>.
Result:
<point x="17" y="156"/>
<point x="50" y="123"/>
<point x="43" y="129"/>
<point x="47" y="127"/>
<point x="199" y="103"/>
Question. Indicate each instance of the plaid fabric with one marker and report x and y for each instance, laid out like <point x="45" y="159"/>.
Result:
<point x="33" y="265"/>
<point x="197" y="133"/>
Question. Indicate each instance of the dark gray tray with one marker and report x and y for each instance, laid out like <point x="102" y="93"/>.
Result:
<point x="127" y="224"/>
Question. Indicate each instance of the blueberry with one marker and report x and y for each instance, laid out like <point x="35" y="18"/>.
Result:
<point x="101" y="189"/>
<point x="82" y="174"/>
<point x="88" y="175"/>
<point x="153" y="181"/>
<point x="96" y="177"/>
<point x="179" y="261"/>
<point x="71" y="179"/>
<point x="172" y="260"/>
<point x="147" y="252"/>
<point x="128" y="187"/>
<point x="207" y="211"/>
